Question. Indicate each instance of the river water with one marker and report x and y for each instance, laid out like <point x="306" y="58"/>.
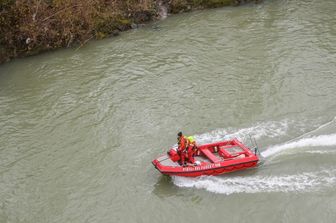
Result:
<point x="79" y="128"/>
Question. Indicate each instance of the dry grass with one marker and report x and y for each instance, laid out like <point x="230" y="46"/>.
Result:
<point x="31" y="26"/>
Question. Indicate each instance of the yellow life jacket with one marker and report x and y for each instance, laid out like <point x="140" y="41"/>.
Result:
<point x="191" y="139"/>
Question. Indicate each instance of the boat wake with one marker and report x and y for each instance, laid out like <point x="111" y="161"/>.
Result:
<point x="272" y="129"/>
<point x="322" y="140"/>
<point x="304" y="182"/>
<point x="305" y="140"/>
<point x="269" y="129"/>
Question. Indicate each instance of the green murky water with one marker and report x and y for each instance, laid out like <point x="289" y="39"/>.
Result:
<point x="79" y="128"/>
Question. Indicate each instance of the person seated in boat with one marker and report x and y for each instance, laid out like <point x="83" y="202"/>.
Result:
<point x="186" y="148"/>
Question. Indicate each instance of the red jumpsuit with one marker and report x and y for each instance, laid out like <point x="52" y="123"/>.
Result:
<point x="190" y="152"/>
<point x="183" y="144"/>
<point x="186" y="150"/>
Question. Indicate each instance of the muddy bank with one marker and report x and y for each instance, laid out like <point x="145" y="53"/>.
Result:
<point x="29" y="27"/>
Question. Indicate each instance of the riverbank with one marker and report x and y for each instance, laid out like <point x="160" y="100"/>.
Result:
<point x="30" y="27"/>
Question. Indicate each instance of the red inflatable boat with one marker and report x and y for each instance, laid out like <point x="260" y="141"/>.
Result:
<point x="211" y="159"/>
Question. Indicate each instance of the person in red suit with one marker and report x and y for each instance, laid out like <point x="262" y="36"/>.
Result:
<point x="185" y="149"/>
<point x="183" y="144"/>
<point x="190" y="152"/>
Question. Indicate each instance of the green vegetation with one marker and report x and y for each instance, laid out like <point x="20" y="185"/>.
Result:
<point x="28" y="27"/>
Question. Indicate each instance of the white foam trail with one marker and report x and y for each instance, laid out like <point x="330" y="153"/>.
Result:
<point x="256" y="184"/>
<point x="320" y="127"/>
<point x="322" y="140"/>
<point x="321" y="152"/>
<point x="269" y="129"/>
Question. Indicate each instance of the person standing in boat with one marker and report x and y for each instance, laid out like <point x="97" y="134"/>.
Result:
<point x="186" y="147"/>
<point x="183" y="144"/>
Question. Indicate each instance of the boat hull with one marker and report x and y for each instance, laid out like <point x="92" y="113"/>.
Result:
<point x="215" y="161"/>
<point x="206" y="170"/>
